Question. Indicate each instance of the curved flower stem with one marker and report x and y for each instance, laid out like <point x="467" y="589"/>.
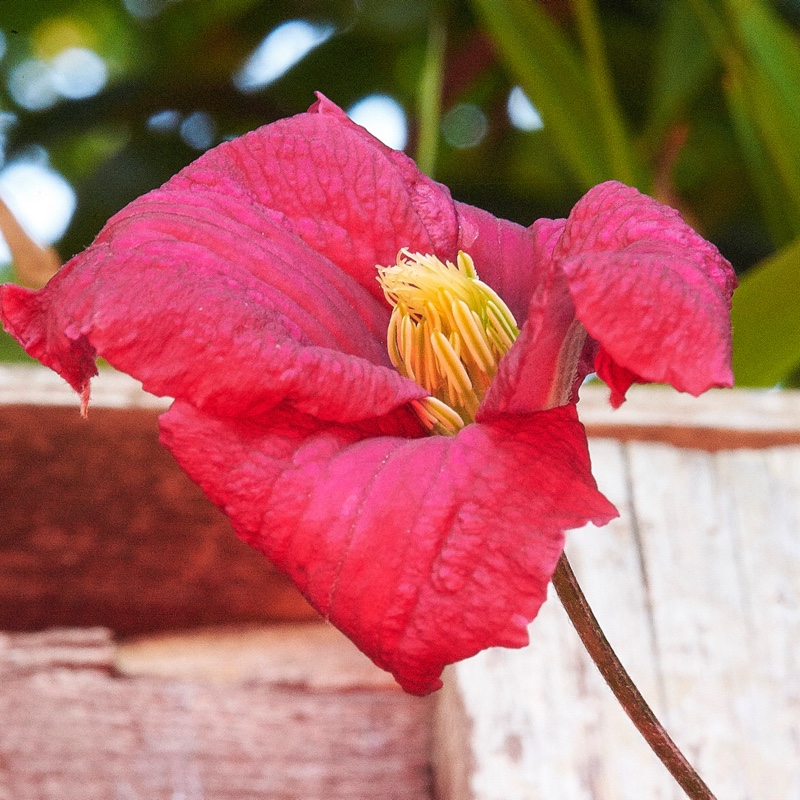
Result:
<point x="620" y="683"/>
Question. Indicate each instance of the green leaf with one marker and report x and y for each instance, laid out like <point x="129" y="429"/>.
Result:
<point x="758" y="124"/>
<point x="771" y="46"/>
<point x="680" y="41"/>
<point x="762" y="60"/>
<point x="10" y="350"/>
<point x="766" y="320"/>
<point x="429" y="92"/>
<point x="552" y="73"/>
<point x="612" y="126"/>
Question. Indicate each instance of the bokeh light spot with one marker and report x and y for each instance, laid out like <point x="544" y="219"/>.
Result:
<point x="30" y="85"/>
<point x="78" y="73"/>
<point x="198" y="130"/>
<point x="165" y="121"/>
<point x="279" y="51"/>
<point x="383" y="117"/>
<point x="521" y="112"/>
<point x="464" y="126"/>
<point x="75" y="74"/>
<point x="40" y="198"/>
<point x="56" y="34"/>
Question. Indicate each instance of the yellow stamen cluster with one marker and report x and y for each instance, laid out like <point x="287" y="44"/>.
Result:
<point x="447" y="332"/>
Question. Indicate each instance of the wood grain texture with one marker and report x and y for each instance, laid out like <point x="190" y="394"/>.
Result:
<point x="312" y="655"/>
<point x="697" y="586"/>
<point x="33" y="385"/>
<point x="717" y="420"/>
<point x="101" y="527"/>
<point x="762" y="417"/>
<point x="75" y="728"/>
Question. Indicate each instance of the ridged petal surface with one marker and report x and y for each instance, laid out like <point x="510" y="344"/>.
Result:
<point x="423" y="551"/>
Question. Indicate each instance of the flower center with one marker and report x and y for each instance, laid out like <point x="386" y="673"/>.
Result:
<point x="447" y="332"/>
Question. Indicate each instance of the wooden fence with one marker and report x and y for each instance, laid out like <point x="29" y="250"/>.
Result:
<point x="148" y="654"/>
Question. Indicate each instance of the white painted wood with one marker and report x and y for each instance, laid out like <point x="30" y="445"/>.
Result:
<point x="31" y="384"/>
<point x="698" y="588"/>
<point x="750" y="410"/>
<point x="313" y="655"/>
<point x="82" y="720"/>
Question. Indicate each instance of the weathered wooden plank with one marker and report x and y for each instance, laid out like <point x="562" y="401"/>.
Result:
<point x="80" y="721"/>
<point x="538" y="723"/>
<point x="33" y="385"/>
<point x="101" y="527"/>
<point x="311" y="655"/>
<point x="696" y="585"/>
<point x="721" y="534"/>
<point x="698" y="589"/>
<point x="719" y="418"/>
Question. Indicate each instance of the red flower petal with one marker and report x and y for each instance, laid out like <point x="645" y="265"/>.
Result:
<point x="653" y="293"/>
<point x="529" y="376"/>
<point x="518" y="263"/>
<point x="170" y="300"/>
<point x="246" y="287"/>
<point x="344" y="193"/>
<point x="219" y="287"/>
<point x="617" y="378"/>
<point x="508" y="257"/>
<point x="422" y="551"/>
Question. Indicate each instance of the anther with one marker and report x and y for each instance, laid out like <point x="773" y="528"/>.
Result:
<point x="448" y="330"/>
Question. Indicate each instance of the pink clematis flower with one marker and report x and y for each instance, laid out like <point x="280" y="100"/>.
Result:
<point x="246" y="288"/>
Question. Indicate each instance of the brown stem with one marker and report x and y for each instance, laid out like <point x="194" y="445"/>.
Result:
<point x="628" y="696"/>
<point x="33" y="265"/>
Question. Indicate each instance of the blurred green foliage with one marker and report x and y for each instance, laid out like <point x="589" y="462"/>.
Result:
<point x="696" y="102"/>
